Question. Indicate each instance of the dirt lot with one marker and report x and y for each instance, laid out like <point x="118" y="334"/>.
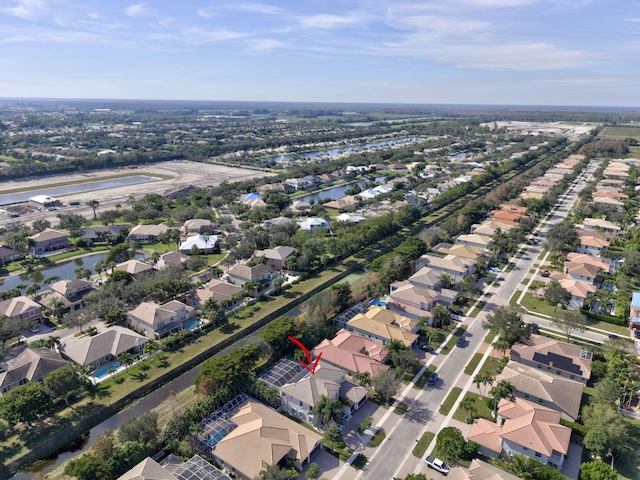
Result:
<point x="181" y="173"/>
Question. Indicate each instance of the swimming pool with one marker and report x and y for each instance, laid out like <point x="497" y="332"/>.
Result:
<point x="377" y="303"/>
<point x="104" y="370"/>
<point x="193" y="324"/>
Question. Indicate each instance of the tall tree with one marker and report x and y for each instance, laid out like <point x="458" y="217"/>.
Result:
<point x="508" y="323"/>
<point x="24" y="403"/>
<point x="94" y="204"/>
<point x="63" y="383"/>
<point x="386" y="383"/>
<point x="441" y="316"/>
<point x="556" y="295"/>
<point x="483" y="378"/>
<point x="327" y="410"/>
<point x="450" y="444"/>
<point x="570" y="321"/>
<point x="597" y="470"/>
<point x="503" y="389"/>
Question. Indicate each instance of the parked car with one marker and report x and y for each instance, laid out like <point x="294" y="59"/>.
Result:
<point x="438" y="465"/>
<point x="546" y="273"/>
<point x="460" y="341"/>
<point x="456" y="311"/>
<point x="433" y="378"/>
<point x="426" y="348"/>
<point x="34" y="328"/>
<point x="613" y="336"/>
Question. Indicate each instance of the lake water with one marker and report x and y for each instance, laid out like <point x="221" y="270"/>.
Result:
<point x="90" y="186"/>
<point x="62" y="270"/>
<point x="336" y="192"/>
<point x="351" y="148"/>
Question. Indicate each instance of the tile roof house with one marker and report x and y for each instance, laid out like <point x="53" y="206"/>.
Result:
<point x="465" y="251"/>
<point x="21" y="307"/>
<point x="475" y="240"/>
<point x="592" y="242"/>
<point x="278" y="221"/>
<point x="172" y="468"/>
<point x="537" y="386"/>
<point x="479" y="470"/>
<point x="146" y="233"/>
<point x="276" y="257"/>
<point x="579" y="292"/>
<point x="275" y="187"/>
<point x="555" y="357"/>
<point x="352" y="353"/>
<point x="197" y="226"/>
<point x="69" y="292"/>
<point x="101" y="233"/>
<point x="585" y="259"/>
<point x="312" y="224"/>
<point x="157" y="321"/>
<point x="241" y="274"/>
<point x="31" y="365"/>
<point x="8" y="255"/>
<point x="135" y="268"/>
<point x="49" y="240"/>
<point x="300" y="207"/>
<point x="301" y="394"/>
<point x="270" y="437"/>
<point x="453" y="265"/>
<point x="601" y="224"/>
<point x="411" y="300"/>
<point x="617" y="204"/>
<point x="342" y="203"/>
<point x="523" y="428"/>
<point x="171" y="259"/>
<point x="382" y="326"/>
<point x="222" y="292"/>
<point x="583" y="272"/>
<point x="427" y="278"/>
<point x="102" y="347"/>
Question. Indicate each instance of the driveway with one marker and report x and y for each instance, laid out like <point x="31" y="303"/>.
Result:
<point x="329" y="467"/>
<point x="571" y="466"/>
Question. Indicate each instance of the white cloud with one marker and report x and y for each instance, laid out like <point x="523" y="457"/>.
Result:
<point x="256" y="8"/>
<point x="198" y="35"/>
<point x="264" y="44"/>
<point x="138" y="10"/>
<point x="327" y="21"/>
<point x="27" y="9"/>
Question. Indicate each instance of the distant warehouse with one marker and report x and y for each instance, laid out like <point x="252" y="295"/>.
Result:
<point x="44" y="201"/>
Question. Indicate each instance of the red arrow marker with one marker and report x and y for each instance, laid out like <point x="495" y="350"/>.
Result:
<point x="306" y="365"/>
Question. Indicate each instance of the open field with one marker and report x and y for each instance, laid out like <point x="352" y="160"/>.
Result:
<point x="621" y="132"/>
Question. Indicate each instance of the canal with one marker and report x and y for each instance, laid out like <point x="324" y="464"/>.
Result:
<point x="335" y="193"/>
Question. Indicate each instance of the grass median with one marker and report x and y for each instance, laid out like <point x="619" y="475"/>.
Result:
<point x="448" y="403"/>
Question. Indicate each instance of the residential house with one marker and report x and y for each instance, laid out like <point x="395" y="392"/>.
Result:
<point x="583" y="272"/>
<point x="197" y="226"/>
<point x="523" y="428"/>
<point x="327" y="178"/>
<point x="585" y="259"/>
<point x="241" y="274"/>
<point x="611" y="202"/>
<point x="579" y="291"/>
<point x="146" y="233"/>
<point x="30" y="365"/>
<point x="276" y="257"/>
<point x="475" y="240"/>
<point x="276" y="187"/>
<point x="300" y="183"/>
<point x="70" y="292"/>
<point x="157" y="321"/>
<point x="135" y="268"/>
<point x="278" y="221"/>
<point x="458" y="267"/>
<point x="301" y="394"/>
<point x="102" y="233"/>
<point x="427" y="278"/>
<point x="478" y="470"/>
<point x="398" y="167"/>
<point x="246" y="425"/>
<point x="103" y="347"/>
<point x="205" y="243"/>
<point x="634" y="311"/>
<point x="488" y="228"/>
<point x="382" y="326"/>
<point x="616" y="195"/>
<point x="313" y="224"/>
<point x="555" y="357"/>
<point x="411" y="300"/>
<point x="224" y="293"/>
<point x="464" y="251"/>
<point x="49" y="240"/>
<point x="350" y="218"/>
<point x="8" y="255"/>
<point x="352" y="353"/>
<point x="255" y="204"/>
<point x="171" y="259"/>
<point x="172" y="468"/>
<point x="300" y="208"/>
<point x="21" y="307"/>
<point x="344" y="203"/>
<point x="592" y="242"/>
<point x="538" y="386"/>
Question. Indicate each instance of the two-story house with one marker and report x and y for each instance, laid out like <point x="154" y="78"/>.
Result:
<point x="157" y="321"/>
<point x="136" y="268"/>
<point x="241" y="274"/>
<point x="21" y="307"/>
<point x="458" y="267"/>
<point x="69" y="292"/>
<point x="592" y="242"/>
<point x="8" y="255"/>
<point x="555" y="357"/>
<point x="583" y="272"/>
<point x="411" y="300"/>
<point x="382" y="326"/>
<point x="49" y="240"/>
<point x="542" y="388"/>
<point x="276" y="257"/>
<point x="146" y="233"/>
<point x="302" y="393"/>
<point x="523" y="428"/>
<point x="197" y="226"/>
<point x="225" y="293"/>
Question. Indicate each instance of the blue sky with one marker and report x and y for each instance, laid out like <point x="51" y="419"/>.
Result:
<point x="544" y="52"/>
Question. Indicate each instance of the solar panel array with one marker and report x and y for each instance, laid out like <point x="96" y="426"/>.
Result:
<point x="280" y="373"/>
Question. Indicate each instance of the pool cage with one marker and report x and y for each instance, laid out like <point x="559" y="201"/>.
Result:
<point x="217" y="425"/>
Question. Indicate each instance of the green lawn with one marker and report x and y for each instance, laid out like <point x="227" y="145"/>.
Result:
<point x="481" y="409"/>
<point x="447" y="405"/>
<point x="490" y="336"/>
<point x="473" y="363"/>
<point x="477" y="309"/>
<point x="377" y="439"/>
<point x="422" y="445"/>
<point x="513" y="301"/>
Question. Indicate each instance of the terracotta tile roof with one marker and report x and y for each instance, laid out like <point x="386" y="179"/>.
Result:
<point x="588" y="260"/>
<point x="578" y="288"/>
<point x="582" y="269"/>
<point x="486" y="434"/>
<point x="548" y="351"/>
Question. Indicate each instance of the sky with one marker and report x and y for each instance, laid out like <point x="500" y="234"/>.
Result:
<point x="506" y="52"/>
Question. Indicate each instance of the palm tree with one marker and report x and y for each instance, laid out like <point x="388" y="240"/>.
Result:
<point x="469" y="405"/>
<point x="155" y="256"/>
<point x="483" y="378"/>
<point x="93" y="204"/>
<point x="52" y="342"/>
<point x="174" y="236"/>
<point x="501" y="345"/>
<point x="395" y="346"/>
<point x="327" y="410"/>
<point x="99" y="267"/>
<point x="503" y="389"/>
<point x="111" y="371"/>
<point x="57" y="308"/>
<point x="84" y="371"/>
<point x="363" y="379"/>
<point x="522" y="466"/>
<point x="446" y="280"/>
<point x="125" y="359"/>
<point x="151" y="347"/>
<point x="32" y="289"/>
